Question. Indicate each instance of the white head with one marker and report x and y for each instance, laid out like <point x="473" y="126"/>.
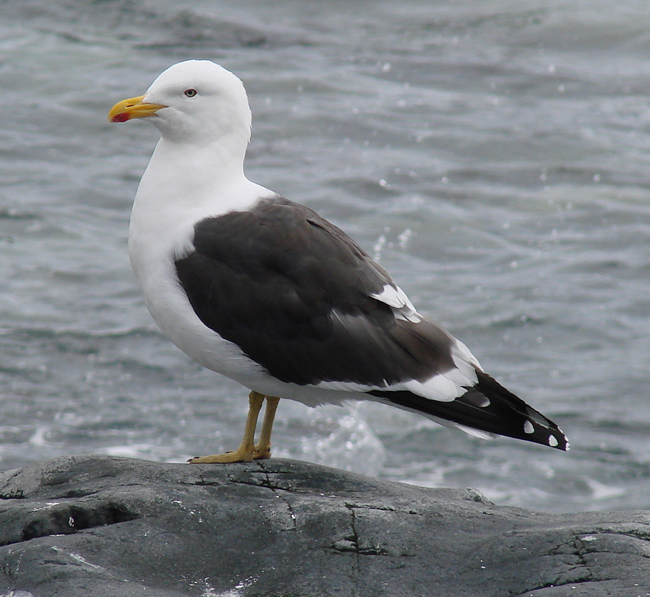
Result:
<point x="196" y="102"/>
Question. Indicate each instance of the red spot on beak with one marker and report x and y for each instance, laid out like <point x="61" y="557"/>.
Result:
<point x="121" y="117"/>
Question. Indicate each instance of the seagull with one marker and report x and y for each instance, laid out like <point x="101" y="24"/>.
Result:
<point x="270" y="294"/>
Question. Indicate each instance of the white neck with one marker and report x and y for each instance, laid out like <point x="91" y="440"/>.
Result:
<point x="178" y="189"/>
<point x="179" y="174"/>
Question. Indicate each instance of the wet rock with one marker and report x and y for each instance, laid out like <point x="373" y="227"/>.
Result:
<point x="112" y="527"/>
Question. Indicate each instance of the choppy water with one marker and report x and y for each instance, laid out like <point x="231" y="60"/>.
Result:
<point x="494" y="156"/>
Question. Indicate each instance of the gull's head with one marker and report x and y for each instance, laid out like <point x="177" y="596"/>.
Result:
<point x="196" y="101"/>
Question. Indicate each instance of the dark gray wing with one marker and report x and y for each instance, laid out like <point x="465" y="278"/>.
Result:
<point x="294" y="292"/>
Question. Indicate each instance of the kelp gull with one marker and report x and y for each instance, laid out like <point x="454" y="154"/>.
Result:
<point x="270" y="294"/>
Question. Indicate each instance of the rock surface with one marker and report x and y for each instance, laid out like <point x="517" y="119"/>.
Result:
<point x="111" y="527"/>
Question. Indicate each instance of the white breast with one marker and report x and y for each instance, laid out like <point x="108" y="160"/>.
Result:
<point x="164" y="213"/>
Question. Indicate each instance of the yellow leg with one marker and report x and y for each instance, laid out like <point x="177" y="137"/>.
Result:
<point x="246" y="451"/>
<point x="263" y="448"/>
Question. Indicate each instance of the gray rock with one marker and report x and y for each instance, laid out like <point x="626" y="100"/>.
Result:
<point x="111" y="527"/>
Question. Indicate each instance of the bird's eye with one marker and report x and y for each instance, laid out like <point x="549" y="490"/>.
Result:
<point x="190" y="92"/>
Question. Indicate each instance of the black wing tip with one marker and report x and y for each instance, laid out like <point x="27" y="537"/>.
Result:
<point x="486" y="407"/>
<point x="546" y="434"/>
<point x="540" y="430"/>
<point x="557" y="440"/>
<point x="536" y="427"/>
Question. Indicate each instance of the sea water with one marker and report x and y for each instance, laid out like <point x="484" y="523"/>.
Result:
<point x="494" y="156"/>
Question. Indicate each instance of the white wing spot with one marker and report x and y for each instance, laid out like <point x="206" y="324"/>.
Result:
<point x="460" y="353"/>
<point x="483" y="401"/>
<point x="393" y="296"/>
<point x="552" y="441"/>
<point x="528" y="428"/>
<point x="396" y="299"/>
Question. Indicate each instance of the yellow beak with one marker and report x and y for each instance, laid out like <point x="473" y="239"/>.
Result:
<point x="133" y="107"/>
